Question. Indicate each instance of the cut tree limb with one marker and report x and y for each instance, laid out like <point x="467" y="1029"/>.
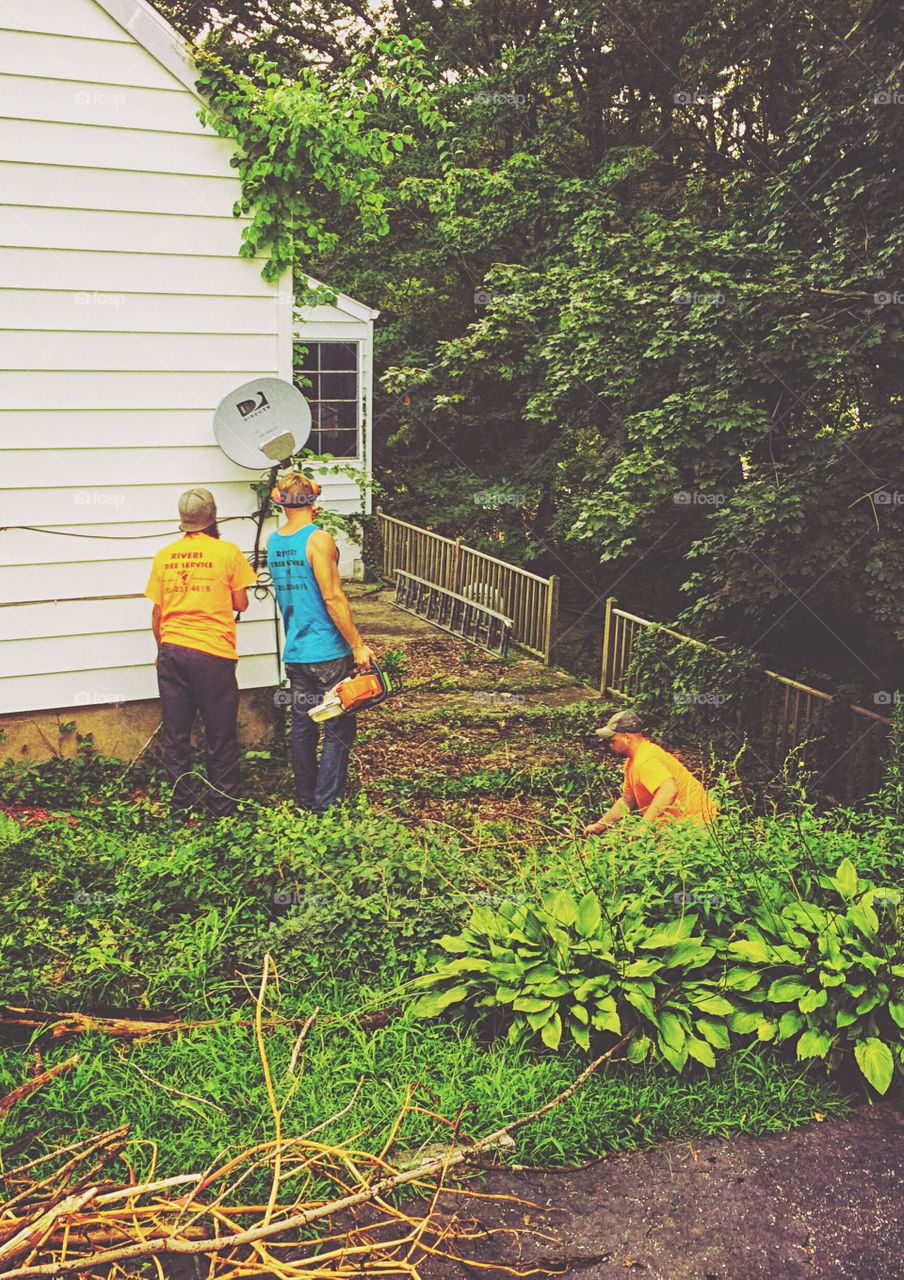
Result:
<point x="30" y="1086"/>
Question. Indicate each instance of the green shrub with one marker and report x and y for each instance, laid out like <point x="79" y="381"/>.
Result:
<point x="829" y="974"/>
<point x="570" y="968"/>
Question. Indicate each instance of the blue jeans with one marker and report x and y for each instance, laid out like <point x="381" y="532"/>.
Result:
<point x="317" y="786"/>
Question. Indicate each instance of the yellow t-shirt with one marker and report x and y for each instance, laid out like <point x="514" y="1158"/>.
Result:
<point x="192" y="581"/>
<point x="651" y="766"/>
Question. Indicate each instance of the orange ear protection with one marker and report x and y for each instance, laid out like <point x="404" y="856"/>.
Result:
<point x="281" y="498"/>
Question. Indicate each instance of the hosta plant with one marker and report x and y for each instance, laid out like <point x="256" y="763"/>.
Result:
<point x="828" y="975"/>
<point x="568" y="970"/>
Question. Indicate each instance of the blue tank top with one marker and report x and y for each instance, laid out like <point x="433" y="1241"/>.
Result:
<point x="311" y="634"/>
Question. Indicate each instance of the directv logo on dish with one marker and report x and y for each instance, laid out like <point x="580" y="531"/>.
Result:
<point x="248" y="408"/>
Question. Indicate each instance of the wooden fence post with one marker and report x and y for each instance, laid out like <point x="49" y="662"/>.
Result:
<point x="455" y="565"/>
<point x="381" y="525"/>
<point x="611" y="602"/>
<point x="552" y="618"/>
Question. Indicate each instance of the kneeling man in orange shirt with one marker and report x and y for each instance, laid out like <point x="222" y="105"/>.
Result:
<point x="656" y="782"/>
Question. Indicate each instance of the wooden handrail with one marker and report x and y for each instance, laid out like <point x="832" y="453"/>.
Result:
<point x="533" y="601"/>
<point x="773" y="675"/>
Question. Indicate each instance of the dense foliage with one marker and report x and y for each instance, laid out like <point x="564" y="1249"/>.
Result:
<point x="641" y="310"/>
<point x="107" y="907"/>
<point x="832" y="950"/>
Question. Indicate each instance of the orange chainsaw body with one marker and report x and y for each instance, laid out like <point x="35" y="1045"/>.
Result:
<point x="357" y="689"/>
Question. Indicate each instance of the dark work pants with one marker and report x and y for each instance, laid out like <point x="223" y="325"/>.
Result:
<point x="191" y="681"/>
<point x="317" y="786"/>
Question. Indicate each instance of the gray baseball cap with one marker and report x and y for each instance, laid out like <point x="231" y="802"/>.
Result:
<point x="621" y="722"/>
<point x="197" y="510"/>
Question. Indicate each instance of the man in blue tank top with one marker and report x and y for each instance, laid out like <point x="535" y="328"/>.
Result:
<point x="322" y="642"/>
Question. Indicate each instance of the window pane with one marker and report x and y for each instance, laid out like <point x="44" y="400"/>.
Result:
<point x="342" y="444"/>
<point x="306" y="359"/>
<point x="325" y="416"/>
<point x="338" y="386"/>
<point x="338" y="355"/>
<point x="308" y="384"/>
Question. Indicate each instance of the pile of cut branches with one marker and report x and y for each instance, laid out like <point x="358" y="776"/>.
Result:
<point x="328" y="1214"/>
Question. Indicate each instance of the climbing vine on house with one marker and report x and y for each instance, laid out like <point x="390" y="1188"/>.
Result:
<point x="313" y="144"/>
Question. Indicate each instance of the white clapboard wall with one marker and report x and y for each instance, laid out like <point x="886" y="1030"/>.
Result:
<point x="126" y="314"/>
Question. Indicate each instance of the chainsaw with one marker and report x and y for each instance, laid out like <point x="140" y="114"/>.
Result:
<point x="355" y="693"/>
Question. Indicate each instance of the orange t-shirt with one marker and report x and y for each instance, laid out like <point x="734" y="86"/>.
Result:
<point x="192" y="581"/>
<point x="652" y="766"/>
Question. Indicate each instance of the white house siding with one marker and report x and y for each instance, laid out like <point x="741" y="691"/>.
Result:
<point x="125" y="316"/>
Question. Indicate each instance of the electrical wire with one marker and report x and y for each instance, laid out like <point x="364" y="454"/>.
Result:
<point x="113" y="537"/>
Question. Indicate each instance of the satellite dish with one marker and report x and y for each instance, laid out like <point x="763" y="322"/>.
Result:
<point x="262" y="423"/>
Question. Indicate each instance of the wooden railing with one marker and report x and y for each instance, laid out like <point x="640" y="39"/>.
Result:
<point x="532" y="602"/>
<point x="788" y="715"/>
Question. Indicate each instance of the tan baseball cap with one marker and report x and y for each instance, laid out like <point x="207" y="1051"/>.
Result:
<point x="621" y="722"/>
<point x="197" y="510"/>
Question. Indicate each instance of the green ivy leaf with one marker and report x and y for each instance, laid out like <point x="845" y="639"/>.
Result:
<point x="551" y="1033"/>
<point x="845" y="878"/>
<point x="715" y="1032"/>
<point x="701" y="1051"/>
<point x="785" y="990"/>
<point x="589" y="915"/>
<point x="667" y="935"/>
<point x="875" y="1060"/>
<point x="638" y="1048"/>
<point x="813" y="1044"/>
<point x="436" y="1001"/>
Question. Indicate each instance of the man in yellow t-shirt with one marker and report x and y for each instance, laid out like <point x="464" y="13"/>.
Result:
<point x="656" y="782"/>
<point x="195" y="585"/>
